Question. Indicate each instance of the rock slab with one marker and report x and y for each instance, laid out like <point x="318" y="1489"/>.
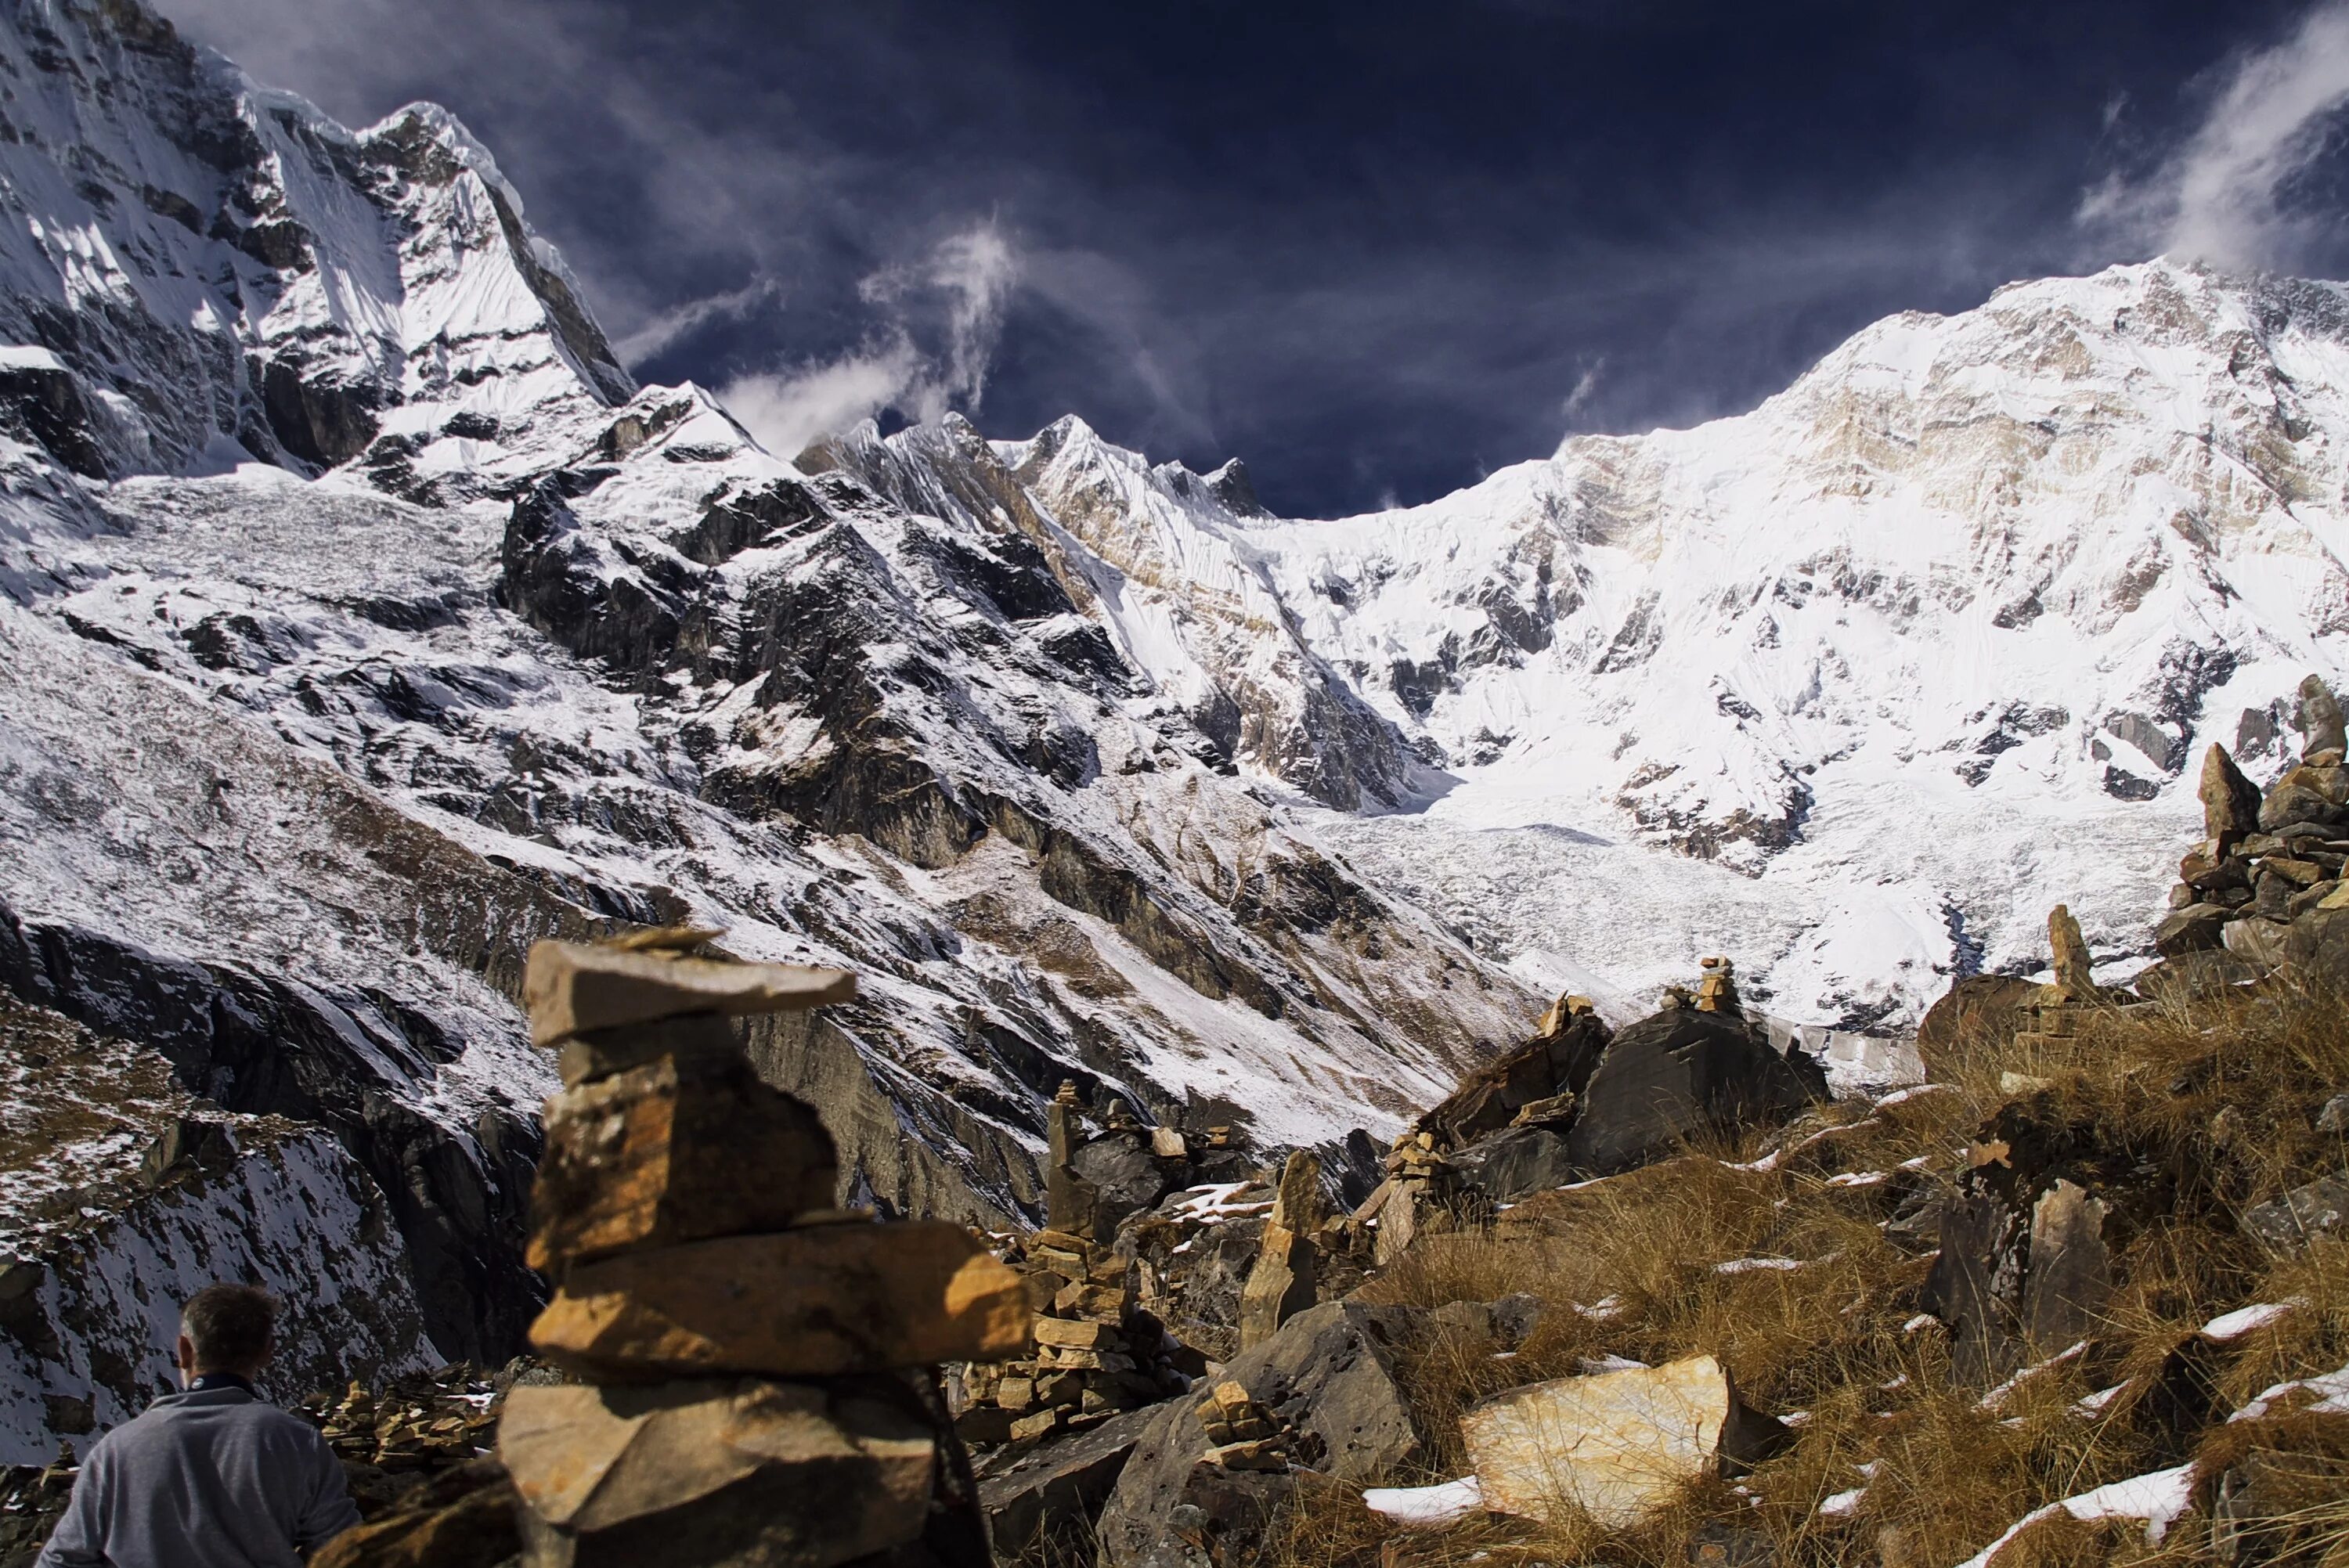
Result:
<point x="816" y="1301"/>
<point x="710" y="1473"/>
<point x="1617" y="1446"/>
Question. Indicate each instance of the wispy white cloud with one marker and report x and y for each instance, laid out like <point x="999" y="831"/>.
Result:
<point x="672" y="325"/>
<point x="2224" y="196"/>
<point x="956" y="294"/>
<point x="1585" y="386"/>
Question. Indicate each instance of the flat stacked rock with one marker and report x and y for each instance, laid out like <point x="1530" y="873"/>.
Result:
<point x="1097" y="1352"/>
<point x="760" y="1367"/>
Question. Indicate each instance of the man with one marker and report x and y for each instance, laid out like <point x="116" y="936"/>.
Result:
<point x="210" y="1477"/>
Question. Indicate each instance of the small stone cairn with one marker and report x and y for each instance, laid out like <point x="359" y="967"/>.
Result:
<point x="1242" y="1434"/>
<point x="1417" y="1195"/>
<point x="1096" y="1351"/>
<point x="759" y="1366"/>
<point x="1716" y="987"/>
<point x="2262" y="863"/>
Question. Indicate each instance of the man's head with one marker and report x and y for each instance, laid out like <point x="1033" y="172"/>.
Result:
<point x="227" y="1328"/>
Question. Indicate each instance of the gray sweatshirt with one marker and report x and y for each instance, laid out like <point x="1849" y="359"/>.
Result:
<point x="208" y="1479"/>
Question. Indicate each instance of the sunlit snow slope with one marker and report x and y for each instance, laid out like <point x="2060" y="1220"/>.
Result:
<point x="1916" y="649"/>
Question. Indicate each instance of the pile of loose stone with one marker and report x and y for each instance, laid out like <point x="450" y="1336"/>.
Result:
<point x="1097" y="1351"/>
<point x="759" y="1366"/>
<point x="2263" y="862"/>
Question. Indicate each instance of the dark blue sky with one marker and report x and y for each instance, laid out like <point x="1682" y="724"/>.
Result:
<point x="1376" y="250"/>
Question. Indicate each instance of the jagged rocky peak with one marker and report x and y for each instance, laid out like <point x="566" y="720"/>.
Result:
<point x="200" y="271"/>
<point x="1159" y="559"/>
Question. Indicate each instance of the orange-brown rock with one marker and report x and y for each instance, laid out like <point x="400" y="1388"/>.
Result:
<point x="811" y="1302"/>
<point x="694" y="1473"/>
<point x="572" y="987"/>
<point x="676" y="1150"/>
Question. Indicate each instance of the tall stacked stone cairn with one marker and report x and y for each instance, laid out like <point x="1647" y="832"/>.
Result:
<point x="1097" y="1352"/>
<point x="2073" y="1000"/>
<point x="759" y="1366"/>
<point x="2263" y="862"/>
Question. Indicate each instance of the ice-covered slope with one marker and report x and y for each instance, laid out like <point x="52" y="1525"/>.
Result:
<point x="1916" y="648"/>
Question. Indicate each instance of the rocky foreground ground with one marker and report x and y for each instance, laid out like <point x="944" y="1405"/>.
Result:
<point x="1646" y="1295"/>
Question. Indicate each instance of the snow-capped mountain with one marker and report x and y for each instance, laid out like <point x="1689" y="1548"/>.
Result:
<point x="362" y="620"/>
<point x="1918" y="648"/>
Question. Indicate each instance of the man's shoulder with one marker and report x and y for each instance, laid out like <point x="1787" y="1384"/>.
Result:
<point x="220" y="1409"/>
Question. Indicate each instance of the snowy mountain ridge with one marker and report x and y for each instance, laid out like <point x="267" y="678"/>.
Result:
<point x="364" y="621"/>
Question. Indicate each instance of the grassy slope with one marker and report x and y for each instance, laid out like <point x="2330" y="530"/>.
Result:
<point x="2216" y="1103"/>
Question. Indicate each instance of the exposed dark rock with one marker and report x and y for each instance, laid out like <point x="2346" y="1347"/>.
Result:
<point x="2026" y="1238"/>
<point x="1682" y="1074"/>
<point x="250" y="1043"/>
<point x="1124" y="1176"/>
<point x="1514" y="1163"/>
<point x="1333" y="1372"/>
<point x="47" y="404"/>
<point x="1541" y="1069"/>
<point x="1055" y="1490"/>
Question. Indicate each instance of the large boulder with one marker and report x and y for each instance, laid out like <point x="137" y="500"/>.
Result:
<point x="1541" y="1069"/>
<point x="1681" y="1075"/>
<point x="1980" y="1012"/>
<point x="1123" y="1175"/>
<point x="1332" y="1372"/>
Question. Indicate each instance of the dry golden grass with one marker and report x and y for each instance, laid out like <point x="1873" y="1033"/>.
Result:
<point x="2218" y="1101"/>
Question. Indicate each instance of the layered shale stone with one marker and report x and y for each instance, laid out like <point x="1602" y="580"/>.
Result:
<point x="698" y="1474"/>
<point x="1281" y="1284"/>
<point x="1618" y="1446"/>
<point x="676" y="1151"/>
<point x="573" y="987"/>
<point x="2073" y="976"/>
<point x="811" y="1302"/>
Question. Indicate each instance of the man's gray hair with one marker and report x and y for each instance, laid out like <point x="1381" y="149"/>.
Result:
<point x="231" y="1326"/>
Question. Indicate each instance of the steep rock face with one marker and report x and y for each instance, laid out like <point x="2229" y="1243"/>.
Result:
<point x="1155" y="554"/>
<point x="126" y="1194"/>
<point x="217" y="268"/>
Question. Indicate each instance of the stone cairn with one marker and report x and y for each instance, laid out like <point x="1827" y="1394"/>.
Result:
<point x="1242" y="1434"/>
<point x="1417" y="1195"/>
<point x="1097" y="1352"/>
<point x="759" y="1366"/>
<point x="1563" y="1011"/>
<point x="1716" y="987"/>
<point x="2263" y="862"/>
